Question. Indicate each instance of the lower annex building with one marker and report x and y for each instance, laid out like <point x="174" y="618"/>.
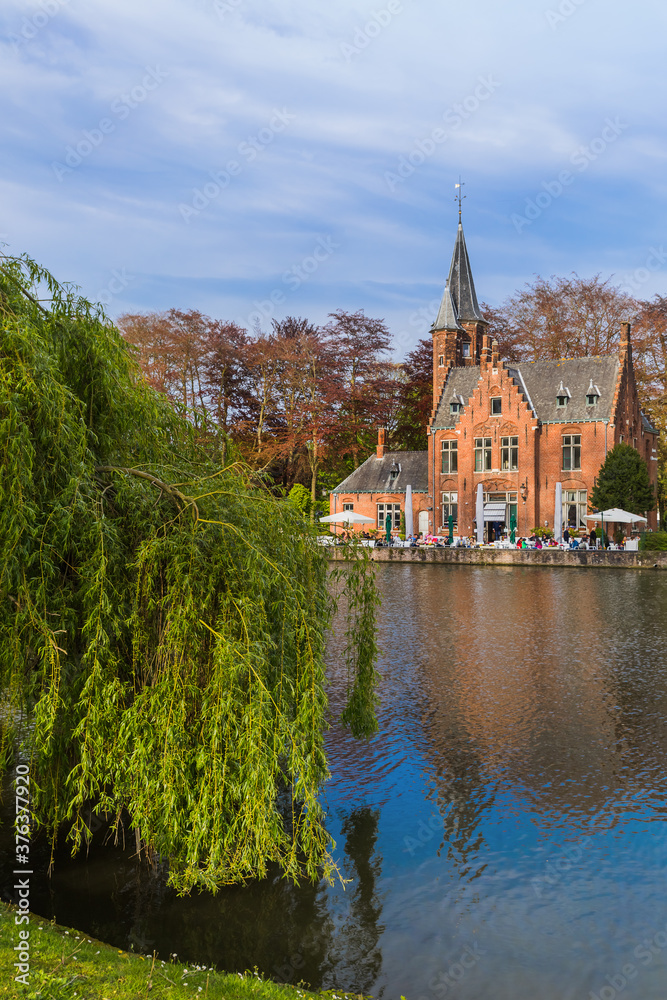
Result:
<point x="516" y="428"/>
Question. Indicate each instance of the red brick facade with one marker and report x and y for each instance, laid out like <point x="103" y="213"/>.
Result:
<point x="518" y="430"/>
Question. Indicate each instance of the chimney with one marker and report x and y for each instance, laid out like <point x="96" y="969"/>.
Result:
<point x="495" y="356"/>
<point x="382" y="440"/>
<point x="626" y="340"/>
<point x="485" y="353"/>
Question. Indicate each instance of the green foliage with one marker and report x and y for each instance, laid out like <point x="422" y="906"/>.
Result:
<point x="66" y="964"/>
<point x="162" y="621"/>
<point x="623" y="481"/>
<point x="362" y="598"/>
<point x="401" y="526"/>
<point x="301" y="498"/>
<point x="654" y="541"/>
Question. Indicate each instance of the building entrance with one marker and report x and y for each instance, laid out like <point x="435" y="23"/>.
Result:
<point x="500" y="515"/>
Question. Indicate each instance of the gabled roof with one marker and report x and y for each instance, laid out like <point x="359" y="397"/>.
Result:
<point x="460" y="382"/>
<point x="461" y="284"/>
<point x="540" y="382"/>
<point x="446" y="318"/>
<point x="374" y="475"/>
<point x="647" y="425"/>
<point x="544" y="378"/>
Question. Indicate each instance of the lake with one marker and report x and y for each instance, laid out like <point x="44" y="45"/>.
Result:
<point x="505" y="833"/>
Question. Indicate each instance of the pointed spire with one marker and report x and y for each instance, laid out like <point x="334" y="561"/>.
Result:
<point x="461" y="284"/>
<point x="446" y="318"/>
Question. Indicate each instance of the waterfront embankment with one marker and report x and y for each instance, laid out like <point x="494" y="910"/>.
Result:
<point x="573" y="558"/>
<point x="65" y="963"/>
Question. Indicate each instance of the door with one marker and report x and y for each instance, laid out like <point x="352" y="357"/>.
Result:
<point x="423" y="522"/>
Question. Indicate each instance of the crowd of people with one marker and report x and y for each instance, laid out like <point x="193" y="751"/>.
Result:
<point x="592" y="540"/>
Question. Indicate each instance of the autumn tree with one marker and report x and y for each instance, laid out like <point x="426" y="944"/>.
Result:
<point x="225" y="380"/>
<point x="503" y="329"/>
<point x="197" y="363"/>
<point x="569" y="317"/>
<point x="360" y="345"/>
<point x="416" y="398"/>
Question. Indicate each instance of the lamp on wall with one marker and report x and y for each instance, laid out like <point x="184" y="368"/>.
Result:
<point x="524" y="491"/>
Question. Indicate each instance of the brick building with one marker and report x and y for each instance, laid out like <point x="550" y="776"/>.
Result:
<point x="516" y="429"/>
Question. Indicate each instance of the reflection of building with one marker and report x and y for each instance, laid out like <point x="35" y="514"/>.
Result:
<point x="516" y="429"/>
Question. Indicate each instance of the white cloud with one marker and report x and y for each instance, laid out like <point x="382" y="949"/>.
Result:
<point x="228" y="67"/>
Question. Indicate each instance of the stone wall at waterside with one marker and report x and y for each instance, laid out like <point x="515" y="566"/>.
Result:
<point x="512" y="557"/>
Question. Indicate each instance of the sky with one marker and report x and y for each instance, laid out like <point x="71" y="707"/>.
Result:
<point x="255" y="159"/>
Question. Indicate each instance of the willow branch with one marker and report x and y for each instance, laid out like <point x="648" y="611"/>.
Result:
<point x="176" y="495"/>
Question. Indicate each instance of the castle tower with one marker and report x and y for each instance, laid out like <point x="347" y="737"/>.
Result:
<point x="459" y="331"/>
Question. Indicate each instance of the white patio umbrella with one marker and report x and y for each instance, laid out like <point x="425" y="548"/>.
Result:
<point x="347" y="517"/>
<point x="479" y="514"/>
<point x="615" y="514"/>
<point x="558" y="513"/>
<point x="408" y="511"/>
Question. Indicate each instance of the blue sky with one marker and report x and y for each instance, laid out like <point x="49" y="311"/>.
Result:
<point x="255" y="159"/>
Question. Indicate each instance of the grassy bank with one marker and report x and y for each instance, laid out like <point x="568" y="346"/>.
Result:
<point x="68" y="965"/>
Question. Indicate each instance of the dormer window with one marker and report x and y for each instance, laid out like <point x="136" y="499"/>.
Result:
<point x="592" y="395"/>
<point x="393" y="472"/>
<point x="456" y="404"/>
<point x="562" y="395"/>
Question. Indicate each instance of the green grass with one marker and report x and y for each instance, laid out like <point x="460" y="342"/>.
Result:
<point x="68" y="965"/>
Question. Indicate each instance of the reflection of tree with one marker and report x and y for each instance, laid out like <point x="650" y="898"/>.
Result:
<point x="360" y="957"/>
<point x="462" y="795"/>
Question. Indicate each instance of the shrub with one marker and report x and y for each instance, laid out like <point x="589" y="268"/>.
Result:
<point x="654" y="541"/>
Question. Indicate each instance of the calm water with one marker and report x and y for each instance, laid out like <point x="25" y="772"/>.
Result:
<point x="504" y="835"/>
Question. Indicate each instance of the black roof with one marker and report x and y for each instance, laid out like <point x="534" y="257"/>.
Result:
<point x="459" y="387"/>
<point x="446" y="318"/>
<point x="461" y="284"/>
<point x="375" y="474"/>
<point x="543" y="379"/>
<point x="540" y="382"/>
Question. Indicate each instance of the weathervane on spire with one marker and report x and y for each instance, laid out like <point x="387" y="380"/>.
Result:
<point x="459" y="196"/>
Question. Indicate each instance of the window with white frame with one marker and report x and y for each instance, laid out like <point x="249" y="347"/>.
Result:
<point x="509" y="454"/>
<point x="482" y="454"/>
<point x="575" y="508"/>
<point x="450" y="456"/>
<point x="571" y="452"/>
<point x="450" y="508"/>
<point x="348" y="506"/>
<point x="394" y="509"/>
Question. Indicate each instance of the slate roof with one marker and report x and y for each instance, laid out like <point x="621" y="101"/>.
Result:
<point x="446" y="318"/>
<point x="374" y="475"/>
<point x="460" y="382"/>
<point x="542" y="379"/>
<point x="539" y="381"/>
<point x="461" y="284"/>
<point x="647" y="425"/>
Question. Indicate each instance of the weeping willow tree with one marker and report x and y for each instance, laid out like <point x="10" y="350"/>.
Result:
<point x="162" y="621"/>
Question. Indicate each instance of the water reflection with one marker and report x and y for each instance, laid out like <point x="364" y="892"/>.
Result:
<point x="511" y="808"/>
